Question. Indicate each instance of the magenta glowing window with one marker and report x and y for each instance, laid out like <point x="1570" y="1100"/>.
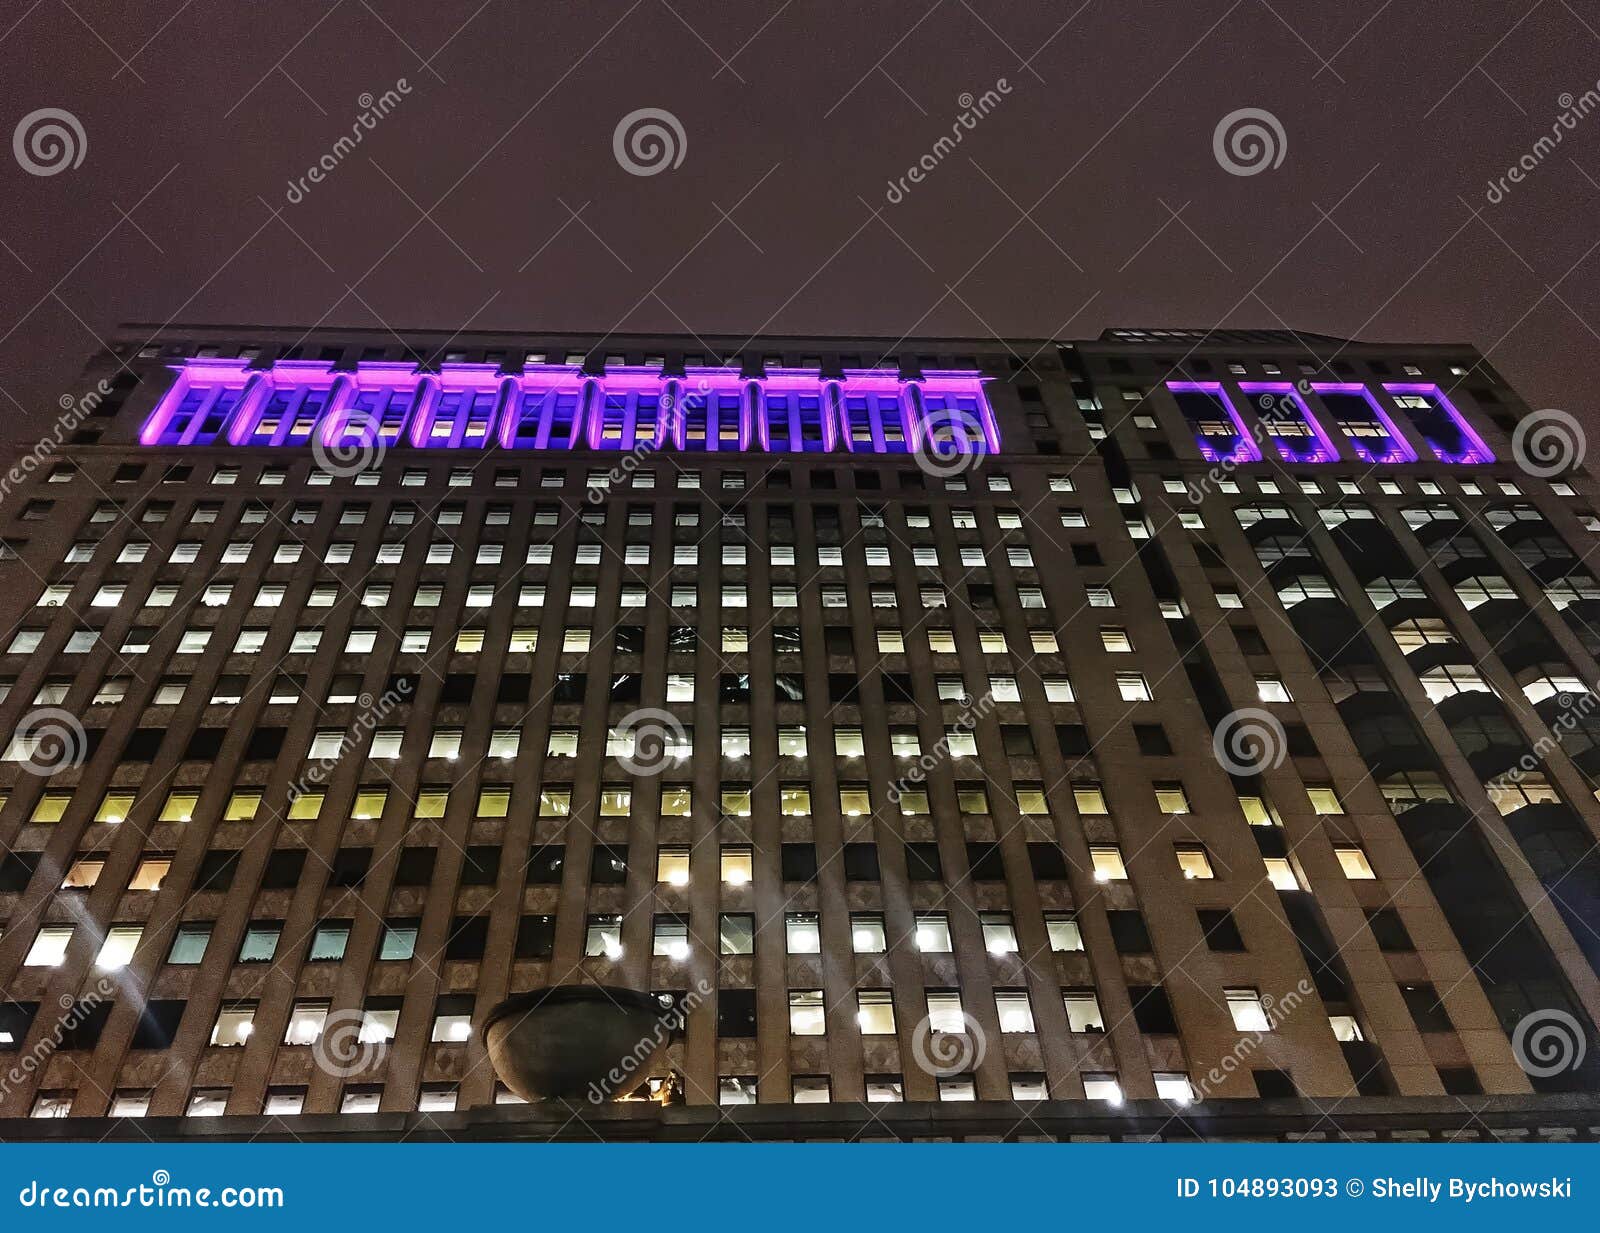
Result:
<point x="1288" y="421"/>
<point x="1218" y="431"/>
<point x="550" y="407"/>
<point x="1444" y="428"/>
<point x="1365" y="425"/>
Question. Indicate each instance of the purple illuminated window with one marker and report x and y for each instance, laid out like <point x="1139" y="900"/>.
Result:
<point x="1368" y="428"/>
<point x="1217" y="428"/>
<point x="469" y="406"/>
<point x="1288" y="421"/>
<point x="954" y="416"/>
<point x="1444" y="428"/>
<point x="875" y="412"/>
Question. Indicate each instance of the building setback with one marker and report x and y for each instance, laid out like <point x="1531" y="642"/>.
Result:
<point x="1180" y="733"/>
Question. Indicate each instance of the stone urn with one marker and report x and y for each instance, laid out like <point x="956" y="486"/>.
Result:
<point x="574" y="1042"/>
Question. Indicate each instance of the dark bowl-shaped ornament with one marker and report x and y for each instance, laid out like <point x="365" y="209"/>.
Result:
<point x="574" y="1042"/>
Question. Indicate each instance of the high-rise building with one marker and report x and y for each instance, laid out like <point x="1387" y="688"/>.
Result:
<point x="1177" y="733"/>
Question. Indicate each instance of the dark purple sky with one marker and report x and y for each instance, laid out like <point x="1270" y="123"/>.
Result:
<point x="1089" y="196"/>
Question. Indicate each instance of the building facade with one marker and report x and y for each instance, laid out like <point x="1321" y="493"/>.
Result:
<point x="1179" y="733"/>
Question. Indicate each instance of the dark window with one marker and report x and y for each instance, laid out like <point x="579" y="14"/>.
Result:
<point x="1086" y="554"/>
<point x="569" y="687"/>
<point x="204" y="746"/>
<point x="216" y="871"/>
<point x="16" y="870"/>
<point x="1221" y="930"/>
<point x="736" y="1012"/>
<point x="734" y="687"/>
<point x="922" y="862"/>
<point x="1460" y="1081"/>
<point x="1299" y="742"/>
<point x="544" y="864"/>
<point x="283" y="869"/>
<point x="843" y="687"/>
<point x="415" y="867"/>
<point x="608" y="866"/>
<point x="1048" y="861"/>
<point x="799" y="862"/>
<point x="536" y="937"/>
<point x="861" y="862"/>
<point x="86" y="1021"/>
<point x="1016" y="739"/>
<point x="1250" y="640"/>
<point x="457" y="688"/>
<point x="630" y="639"/>
<point x="158" y="1024"/>
<point x="15" y="1019"/>
<point x="481" y="866"/>
<point x="985" y="862"/>
<point x="1152" y="739"/>
<point x="1128" y="932"/>
<point x="1073" y="739"/>
<point x="836" y="639"/>
<point x="265" y="744"/>
<point x="1152" y="1012"/>
<point x="1389" y="929"/>
<point x="143" y="744"/>
<point x="350" y="867"/>
<point x="514" y="687"/>
<point x="1274" y="1083"/>
<point x="897" y="687"/>
<point x="468" y="937"/>
<point x="1426" y="1010"/>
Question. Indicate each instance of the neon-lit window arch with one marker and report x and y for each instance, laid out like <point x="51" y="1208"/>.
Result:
<point x="1217" y="428"/>
<point x="953" y="415"/>
<point x="792" y="414"/>
<point x="875" y="412"/>
<point x="1444" y="428"/>
<point x="200" y="403"/>
<point x="289" y="404"/>
<point x="545" y="409"/>
<point x="629" y="409"/>
<point x="1366" y="425"/>
<point x="1289" y="422"/>
<point x="711" y="411"/>
<point x="374" y="405"/>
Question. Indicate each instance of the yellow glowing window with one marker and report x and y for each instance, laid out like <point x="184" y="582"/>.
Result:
<point x="1108" y="866"/>
<point x="672" y="866"/>
<point x="148" y="876"/>
<point x="51" y="807"/>
<point x="1256" y="811"/>
<point x="794" y="800"/>
<point x="1170" y="798"/>
<point x="242" y="807"/>
<point x="495" y="803"/>
<point x="524" y="641"/>
<point x="1031" y="801"/>
<point x="1354" y="862"/>
<point x="1193" y="861"/>
<point x="914" y="803"/>
<point x="430" y="804"/>
<point x="972" y="800"/>
<point x="1281" y="874"/>
<point x="855" y="802"/>
<point x="114" y="807"/>
<point x="676" y="800"/>
<point x="305" y="806"/>
<point x="738" y="866"/>
<point x="1089" y="798"/>
<point x="180" y="807"/>
<point x="736" y="802"/>
<point x="941" y="642"/>
<point x="1324" y="801"/>
<point x="469" y="641"/>
<point x="369" y="804"/>
<point x="554" y="803"/>
<point x="615" y="802"/>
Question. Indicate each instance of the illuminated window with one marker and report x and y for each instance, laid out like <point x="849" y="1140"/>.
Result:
<point x="737" y="866"/>
<point x="1083" y="1010"/>
<point x="874" y="1012"/>
<point x="1281" y="873"/>
<point x="806" y="1017"/>
<point x="802" y="933"/>
<point x="180" y="807"/>
<point x="1108" y="866"/>
<point x="1353" y="861"/>
<point x="1193" y="861"/>
<point x="1324" y="800"/>
<point x="1245" y="1007"/>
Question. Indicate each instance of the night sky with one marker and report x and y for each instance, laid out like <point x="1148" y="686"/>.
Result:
<point x="1089" y="195"/>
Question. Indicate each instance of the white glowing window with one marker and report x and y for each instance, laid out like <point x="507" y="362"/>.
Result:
<point x="1354" y="862"/>
<point x="737" y="866"/>
<point x="49" y="947"/>
<point x="874" y="1012"/>
<point x="867" y="936"/>
<point x="1281" y="873"/>
<point x="999" y="935"/>
<point x="1174" y="1086"/>
<point x="1345" y="1028"/>
<point x="1063" y="932"/>
<point x="1245" y="1007"/>
<point x="234" y="1025"/>
<point x="945" y="1013"/>
<point x="1102" y="1087"/>
<point x="116" y="951"/>
<point x="672" y="866"/>
<point x="1083" y="1010"/>
<point x="802" y="933"/>
<point x="1107" y="861"/>
<point x="305" y="1022"/>
<point x="933" y="933"/>
<point x="1016" y="1012"/>
<point x="378" y="1026"/>
<point x="806" y="1015"/>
